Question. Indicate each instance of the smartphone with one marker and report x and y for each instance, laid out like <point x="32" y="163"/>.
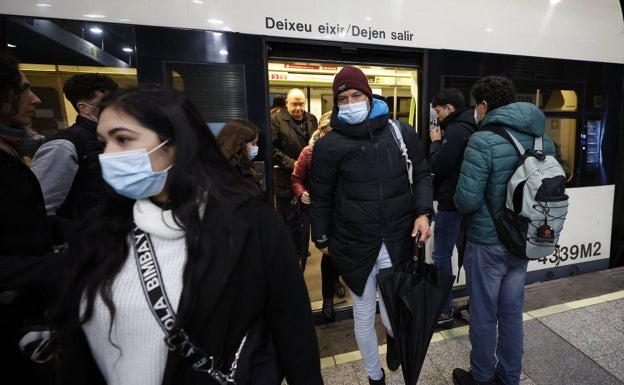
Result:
<point x="433" y="118"/>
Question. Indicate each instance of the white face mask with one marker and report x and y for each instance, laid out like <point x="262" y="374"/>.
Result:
<point x="252" y="151"/>
<point x="353" y="113"/>
<point x="130" y="173"/>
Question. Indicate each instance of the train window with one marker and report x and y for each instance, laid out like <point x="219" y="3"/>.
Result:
<point x="218" y="90"/>
<point x="316" y="80"/>
<point x="561" y="124"/>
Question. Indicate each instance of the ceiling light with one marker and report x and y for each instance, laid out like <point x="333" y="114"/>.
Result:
<point x="223" y="52"/>
<point x="96" y="30"/>
<point x="127" y="49"/>
<point x="94" y="15"/>
<point x="198" y="2"/>
<point x="215" y="21"/>
<point x="43" y="5"/>
<point x="11" y="45"/>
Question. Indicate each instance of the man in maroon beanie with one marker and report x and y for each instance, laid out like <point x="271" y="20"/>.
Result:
<point x="364" y="215"/>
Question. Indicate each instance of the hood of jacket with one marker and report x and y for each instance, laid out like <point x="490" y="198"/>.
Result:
<point x="521" y="116"/>
<point x="376" y="120"/>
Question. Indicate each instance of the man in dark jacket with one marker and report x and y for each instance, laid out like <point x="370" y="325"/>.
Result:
<point x="495" y="277"/>
<point x="24" y="234"/>
<point x="67" y="166"/>
<point x="291" y="129"/>
<point x="446" y="152"/>
<point x="363" y="213"/>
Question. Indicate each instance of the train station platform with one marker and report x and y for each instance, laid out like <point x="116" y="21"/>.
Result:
<point x="573" y="335"/>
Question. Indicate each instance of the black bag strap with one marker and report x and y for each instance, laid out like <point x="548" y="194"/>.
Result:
<point x="176" y="338"/>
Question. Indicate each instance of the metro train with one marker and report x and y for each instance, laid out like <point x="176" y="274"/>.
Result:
<point x="232" y="57"/>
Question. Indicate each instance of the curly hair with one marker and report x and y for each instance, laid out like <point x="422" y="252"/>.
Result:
<point x="497" y="91"/>
<point x="233" y="139"/>
<point x="82" y="87"/>
<point x="10" y="81"/>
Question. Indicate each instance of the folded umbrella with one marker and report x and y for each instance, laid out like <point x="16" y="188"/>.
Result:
<point x="414" y="294"/>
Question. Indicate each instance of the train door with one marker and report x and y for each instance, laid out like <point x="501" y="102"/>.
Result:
<point x="394" y="75"/>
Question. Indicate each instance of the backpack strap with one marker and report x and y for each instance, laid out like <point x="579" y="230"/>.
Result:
<point x="398" y="138"/>
<point x="502" y="131"/>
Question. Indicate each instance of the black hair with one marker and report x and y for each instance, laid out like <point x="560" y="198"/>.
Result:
<point x="452" y="96"/>
<point x="199" y="179"/>
<point x="83" y="87"/>
<point x="10" y="81"/>
<point x="497" y="91"/>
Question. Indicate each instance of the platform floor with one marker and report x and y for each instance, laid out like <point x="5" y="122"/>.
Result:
<point x="573" y="335"/>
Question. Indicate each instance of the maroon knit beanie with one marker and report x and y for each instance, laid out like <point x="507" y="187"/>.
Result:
<point x="351" y="78"/>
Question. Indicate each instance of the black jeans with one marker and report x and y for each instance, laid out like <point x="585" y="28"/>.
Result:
<point x="291" y="213"/>
<point x="329" y="275"/>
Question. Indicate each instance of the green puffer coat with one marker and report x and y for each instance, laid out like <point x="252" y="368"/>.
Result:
<point x="489" y="162"/>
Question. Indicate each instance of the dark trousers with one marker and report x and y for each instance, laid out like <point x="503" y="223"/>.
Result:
<point x="329" y="276"/>
<point x="291" y="213"/>
<point x="305" y="234"/>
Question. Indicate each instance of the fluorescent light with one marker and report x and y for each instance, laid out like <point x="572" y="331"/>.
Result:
<point x="94" y="15"/>
<point x="223" y="52"/>
<point x="11" y="45"/>
<point x="127" y="49"/>
<point x="43" y="5"/>
<point x="96" y="30"/>
<point x="215" y="21"/>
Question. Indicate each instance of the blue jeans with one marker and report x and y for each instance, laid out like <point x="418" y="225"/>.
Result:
<point x="495" y="281"/>
<point x="364" y="309"/>
<point x="447" y="225"/>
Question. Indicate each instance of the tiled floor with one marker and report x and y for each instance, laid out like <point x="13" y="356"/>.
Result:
<point x="574" y="335"/>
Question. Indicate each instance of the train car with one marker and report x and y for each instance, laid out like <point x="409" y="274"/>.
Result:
<point x="232" y="57"/>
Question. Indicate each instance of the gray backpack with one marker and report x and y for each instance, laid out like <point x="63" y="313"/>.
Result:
<point x="536" y="205"/>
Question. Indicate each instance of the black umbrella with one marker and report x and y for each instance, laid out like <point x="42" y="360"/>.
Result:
<point x="414" y="294"/>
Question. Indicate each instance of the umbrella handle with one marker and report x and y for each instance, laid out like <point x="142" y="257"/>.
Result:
<point x="419" y="256"/>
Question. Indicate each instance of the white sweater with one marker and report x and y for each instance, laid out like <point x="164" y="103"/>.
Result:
<point x="140" y="353"/>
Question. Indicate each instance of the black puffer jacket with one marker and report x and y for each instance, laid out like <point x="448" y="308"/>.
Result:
<point x="361" y="195"/>
<point x="446" y="155"/>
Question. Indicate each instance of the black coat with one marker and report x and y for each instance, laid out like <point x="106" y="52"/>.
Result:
<point x="446" y="155"/>
<point x="288" y="139"/>
<point x="256" y="275"/>
<point x="361" y="196"/>
<point x="24" y="272"/>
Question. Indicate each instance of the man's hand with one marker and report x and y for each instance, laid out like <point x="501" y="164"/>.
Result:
<point x="421" y="224"/>
<point x="435" y="134"/>
<point x="305" y="198"/>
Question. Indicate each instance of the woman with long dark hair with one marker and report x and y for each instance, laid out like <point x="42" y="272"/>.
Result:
<point x="184" y="260"/>
<point x="238" y="140"/>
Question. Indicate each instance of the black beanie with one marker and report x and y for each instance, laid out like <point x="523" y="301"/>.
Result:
<point x="351" y="78"/>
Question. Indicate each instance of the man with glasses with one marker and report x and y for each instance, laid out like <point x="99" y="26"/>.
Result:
<point x="67" y="166"/>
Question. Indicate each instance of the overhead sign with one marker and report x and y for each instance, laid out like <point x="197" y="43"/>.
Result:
<point x="570" y="29"/>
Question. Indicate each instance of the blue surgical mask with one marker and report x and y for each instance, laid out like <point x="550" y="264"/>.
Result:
<point x="253" y="151"/>
<point x="353" y="113"/>
<point x="130" y="173"/>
